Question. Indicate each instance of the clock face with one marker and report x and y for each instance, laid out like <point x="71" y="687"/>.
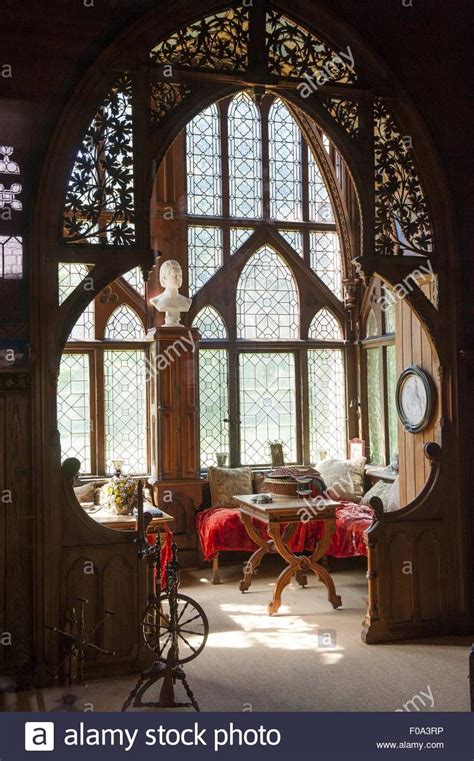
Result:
<point x="415" y="395"/>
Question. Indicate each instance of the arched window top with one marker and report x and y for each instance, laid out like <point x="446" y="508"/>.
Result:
<point x="124" y="325"/>
<point x="203" y="163"/>
<point x="209" y="323"/>
<point x="371" y="327"/>
<point x="267" y="299"/>
<point x="320" y="206"/>
<point x="388" y="310"/>
<point x="245" y="165"/>
<point x="325" y="327"/>
<point x="135" y="279"/>
<point x="286" y="189"/>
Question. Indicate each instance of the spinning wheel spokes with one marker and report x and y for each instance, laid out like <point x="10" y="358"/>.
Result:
<point x="189" y="635"/>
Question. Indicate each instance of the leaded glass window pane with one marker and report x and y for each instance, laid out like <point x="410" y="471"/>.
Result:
<point x="213" y="404"/>
<point x="124" y="325"/>
<point x="389" y="310"/>
<point x="238" y="236"/>
<point x="325" y="259"/>
<point x="320" y="207"/>
<point x="285" y="164"/>
<point x="125" y="409"/>
<point x="245" y="165"/>
<point x="267" y="299"/>
<point x="204" y="255"/>
<point x="203" y="163"/>
<point x="73" y="405"/>
<point x="327" y="416"/>
<point x="294" y="238"/>
<point x="267" y="406"/>
<point x="325" y="327"/>
<point x="371" y="329"/>
<point x="70" y="276"/>
<point x="374" y="410"/>
<point x="11" y="257"/>
<point x="391" y="403"/>
<point x="135" y="279"/>
<point x="209" y="323"/>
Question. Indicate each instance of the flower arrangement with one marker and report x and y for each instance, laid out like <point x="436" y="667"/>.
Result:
<point x="119" y="495"/>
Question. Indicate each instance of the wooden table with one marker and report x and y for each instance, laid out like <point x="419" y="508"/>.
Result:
<point x="273" y="515"/>
<point x="128" y="522"/>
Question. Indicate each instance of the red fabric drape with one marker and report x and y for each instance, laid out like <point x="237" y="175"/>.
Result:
<point x="165" y="551"/>
<point x="220" y="529"/>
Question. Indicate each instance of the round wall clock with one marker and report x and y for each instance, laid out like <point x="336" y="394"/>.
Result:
<point x="415" y="398"/>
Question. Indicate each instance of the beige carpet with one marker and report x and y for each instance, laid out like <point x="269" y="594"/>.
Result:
<point x="253" y="662"/>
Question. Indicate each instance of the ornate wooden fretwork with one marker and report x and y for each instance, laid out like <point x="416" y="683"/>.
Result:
<point x="295" y="52"/>
<point x="402" y="223"/>
<point x="165" y="97"/>
<point x="346" y="113"/>
<point x="215" y="43"/>
<point x="99" y="203"/>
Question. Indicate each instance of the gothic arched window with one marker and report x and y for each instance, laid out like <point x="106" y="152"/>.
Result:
<point x="262" y="239"/>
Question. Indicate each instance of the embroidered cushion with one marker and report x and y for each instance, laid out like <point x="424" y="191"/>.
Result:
<point x="344" y="479"/>
<point x="226" y="482"/>
<point x="380" y="489"/>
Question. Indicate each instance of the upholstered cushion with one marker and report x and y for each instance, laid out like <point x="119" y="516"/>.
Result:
<point x="85" y="492"/>
<point x="344" y="479"/>
<point x="225" y="483"/>
<point x="393" y="499"/>
<point x="380" y="489"/>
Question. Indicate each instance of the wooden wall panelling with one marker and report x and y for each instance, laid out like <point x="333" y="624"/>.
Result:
<point x="400" y="559"/>
<point x="3" y="570"/>
<point x="17" y="523"/>
<point x="414" y="348"/>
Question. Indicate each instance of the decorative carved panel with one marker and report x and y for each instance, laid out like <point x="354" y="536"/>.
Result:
<point x="402" y="221"/>
<point x="99" y="204"/>
<point x="344" y="112"/>
<point x="218" y="42"/>
<point x="165" y="97"/>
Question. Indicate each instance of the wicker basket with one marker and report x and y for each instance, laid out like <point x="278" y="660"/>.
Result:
<point x="280" y="486"/>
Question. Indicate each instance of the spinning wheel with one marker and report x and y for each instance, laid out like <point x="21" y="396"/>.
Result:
<point x="174" y="627"/>
<point x="190" y="627"/>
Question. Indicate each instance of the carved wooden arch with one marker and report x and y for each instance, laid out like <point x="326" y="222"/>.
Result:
<point x="129" y="52"/>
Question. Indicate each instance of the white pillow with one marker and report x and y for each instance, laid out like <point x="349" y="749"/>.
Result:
<point x="344" y="479"/>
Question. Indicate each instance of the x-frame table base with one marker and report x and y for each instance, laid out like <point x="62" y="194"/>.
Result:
<point x="298" y="565"/>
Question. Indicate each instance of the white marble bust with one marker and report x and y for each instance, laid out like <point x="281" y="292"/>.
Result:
<point x="171" y="302"/>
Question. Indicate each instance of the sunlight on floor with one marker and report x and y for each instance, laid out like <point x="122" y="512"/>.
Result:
<point x="283" y="631"/>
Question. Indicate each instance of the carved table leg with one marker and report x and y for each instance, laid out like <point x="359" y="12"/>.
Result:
<point x="321" y="572"/>
<point x="254" y="561"/>
<point x="299" y="566"/>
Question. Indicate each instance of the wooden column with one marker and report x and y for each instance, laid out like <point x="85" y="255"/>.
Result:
<point x="175" y="421"/>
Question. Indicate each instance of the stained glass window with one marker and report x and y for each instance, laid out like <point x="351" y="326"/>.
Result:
<point x="294" y="238"/>
<point x="124" y="325"/>
<point x="204" y="255"/>
<point x="326" y="259"/>
<point x="135" y="279"/>
<point x="285" y="164"/>
<point x="209" y="323"/>
<point x="267" y="299"/>
<point x="213" y="404"/>
<point x="320" y="207"/>
<point x="238" y="236"/>
<point x="11" y="257"/>
<point x="374" y="409"/>
<point x="245" y="165"/>
<point x="73" y="405"/>
<point x="125" y="410"/>
<point x="325" y="327"/>
<point x="267" y="406"/>
<point x="327" y="408"/>
<point x="203" y="163"/>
